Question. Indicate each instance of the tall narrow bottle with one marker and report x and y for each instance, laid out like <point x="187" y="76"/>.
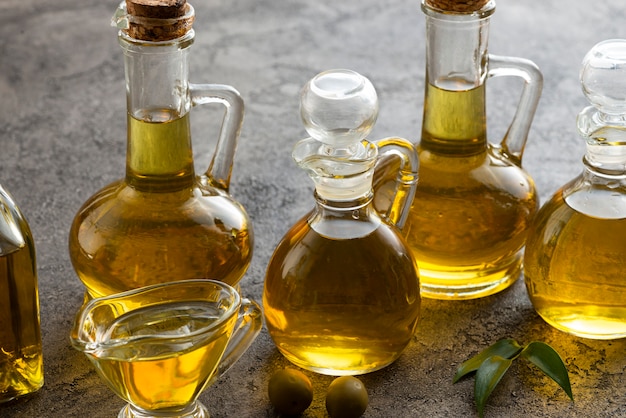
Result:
<point x="21" y="356"/>
<point x="474" y="202"/>
<point x="341" y="290"/>
<point x="162" y="222"/>
<point x="576" y="250"/>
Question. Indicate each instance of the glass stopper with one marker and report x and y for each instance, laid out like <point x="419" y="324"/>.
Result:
<point x="603" y="76"/>
<point x="339" y="108"/>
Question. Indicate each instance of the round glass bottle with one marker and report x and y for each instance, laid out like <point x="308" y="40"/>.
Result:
<point x="341" y="291"/>
<point x="473" y="202"/>
<point x="576" y="251"/>
<point x="162" y="222"/>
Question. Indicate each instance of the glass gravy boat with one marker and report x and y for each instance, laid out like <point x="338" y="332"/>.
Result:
<point x="159" y="346"/>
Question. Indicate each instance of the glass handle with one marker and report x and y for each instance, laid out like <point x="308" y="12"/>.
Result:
<point x="515" y="139"/>
<point x="406" y="178"/>
<point x="220" y="169"/>
<point x="248" y="325"/>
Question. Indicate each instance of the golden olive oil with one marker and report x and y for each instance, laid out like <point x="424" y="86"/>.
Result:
<point x="341" y="306"/>
<point x="21" y="357"/>
<point x="159" y="149"/>
<point x="154" y="373"/>
<point x="575" y="270"/>
<point x="472" y="206"/>
<point x="455" y="122"/>
<point x="161" y="223"/>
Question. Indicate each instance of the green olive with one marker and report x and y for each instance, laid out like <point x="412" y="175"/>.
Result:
<point x="346" y="398"/>
<point x="290" y="391"/>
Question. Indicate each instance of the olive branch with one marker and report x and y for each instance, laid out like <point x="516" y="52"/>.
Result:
<point x="492" y="363"/>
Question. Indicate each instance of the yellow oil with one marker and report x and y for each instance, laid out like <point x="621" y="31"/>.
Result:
<point x="155" y="373"/>
<point x="159" y="151"/>
<point x="21" y="357"/>
<point x="341" y="306"/>
<point x="161" y="223"/>
<point x="574" y="271"/>
<point x="473" y="204"/>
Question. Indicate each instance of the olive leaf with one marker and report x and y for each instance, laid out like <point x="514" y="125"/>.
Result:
<point x="548" y="361"/>
<point x="488" y="376"/>
<point x="507" y="348"/>
<point x="492" y="363"/>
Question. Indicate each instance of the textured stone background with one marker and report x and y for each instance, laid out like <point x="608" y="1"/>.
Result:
<point x="62" y="137"/>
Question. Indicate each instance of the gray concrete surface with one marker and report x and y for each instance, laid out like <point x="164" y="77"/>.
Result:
<point x="62" y="137"/>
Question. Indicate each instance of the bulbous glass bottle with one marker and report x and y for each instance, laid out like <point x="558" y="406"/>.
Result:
<point x="474" y="201"/>
<point x="21" y="354"/>
<point x="576" y="250"/>
<point x="341" y="292"/>
<point x="162" y="222"/>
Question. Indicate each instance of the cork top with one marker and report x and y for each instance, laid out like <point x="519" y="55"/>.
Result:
<point x="158" y="9"/>
<point x="155" y="20"/>
<point x="457" y="6"/>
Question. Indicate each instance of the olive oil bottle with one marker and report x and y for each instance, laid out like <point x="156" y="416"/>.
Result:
<point x="473" y="202"/>
<point x="576" y="250"/>
<point x="341" y="290"/>
<point x="21" y="356"/>
<point x="162" y="222"/>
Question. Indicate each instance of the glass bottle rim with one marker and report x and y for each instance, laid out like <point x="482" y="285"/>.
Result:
<point x="79" y="336"/>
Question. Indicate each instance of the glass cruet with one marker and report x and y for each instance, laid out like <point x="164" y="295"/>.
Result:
<point x="341" y="292"/>
<point x="21" y="355"/>
<point x="163" y="222"/>
<point x="576" y="251"/>
<point x="474" y="201"/>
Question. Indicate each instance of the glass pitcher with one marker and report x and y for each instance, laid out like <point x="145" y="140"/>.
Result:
<point x="341" y="292"/>
<point x="473" y="202"/>
<point x="162" y="221"/>
<point x="576" y="250"/>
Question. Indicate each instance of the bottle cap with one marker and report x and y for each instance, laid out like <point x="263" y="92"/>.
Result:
<point x="154" y="20"/>
<point x="457" y="6"/>
<point x="158" y="9"/>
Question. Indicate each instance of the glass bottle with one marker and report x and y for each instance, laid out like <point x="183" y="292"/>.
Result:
<point x="473" y="202"/>
<point x="162" y="222"/>
<point x="576" y="251"/>
<point x="21" y="356"/>
<point x="341" y="292"/>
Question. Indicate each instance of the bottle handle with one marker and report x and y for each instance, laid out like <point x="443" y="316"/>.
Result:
<point x="248" y="325"/>
<point x="406" y="178"/>
<point x="220" y="169"/>
<point x="514" y="141"/>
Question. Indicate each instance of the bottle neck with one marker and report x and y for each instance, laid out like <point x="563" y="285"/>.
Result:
<point x="159" y="154"/>
<point x="600" y="191"/>
<point x="454" y="119"/>
<point x="605" y="135"/>
<point x="340" y="174"/>
<point x="344" y="191"/>
<point x="606" y="160"/>
<point x="344" y="219"/>
<point x="344" y="203"/>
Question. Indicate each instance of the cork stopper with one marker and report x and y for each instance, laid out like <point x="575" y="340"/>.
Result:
<point x="158" y="20"/>
<point x="457" y="6"/>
